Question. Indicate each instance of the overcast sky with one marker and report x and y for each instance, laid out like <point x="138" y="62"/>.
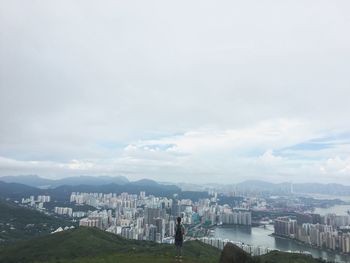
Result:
<point x="191" y="91"/>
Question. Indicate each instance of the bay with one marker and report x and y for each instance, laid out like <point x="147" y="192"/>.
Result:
<point x="259" y="236"/>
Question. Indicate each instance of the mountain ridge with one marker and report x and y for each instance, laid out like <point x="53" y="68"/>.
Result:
<point x="248" y="185"/>
<point x="40" y="182"/>
<point x="17" y="191"/>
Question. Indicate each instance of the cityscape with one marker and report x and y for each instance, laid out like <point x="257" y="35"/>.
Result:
<point x="147" y="217"/>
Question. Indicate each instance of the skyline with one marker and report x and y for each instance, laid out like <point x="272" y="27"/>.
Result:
<point x="176" y="91"/>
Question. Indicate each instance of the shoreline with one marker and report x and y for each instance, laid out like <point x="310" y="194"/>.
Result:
<point x="335" y="252"/>
<point x="294" y="245"/>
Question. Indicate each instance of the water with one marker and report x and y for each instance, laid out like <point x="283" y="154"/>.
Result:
<point x="345" y="198"/>
<point x="259" y="236"/>
<point x="337" y="209"/>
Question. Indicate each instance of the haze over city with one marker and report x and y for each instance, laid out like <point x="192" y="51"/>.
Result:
<point x="180" y="92"/>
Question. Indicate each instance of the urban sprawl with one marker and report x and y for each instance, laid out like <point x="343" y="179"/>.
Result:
<point x="147" y="217"/>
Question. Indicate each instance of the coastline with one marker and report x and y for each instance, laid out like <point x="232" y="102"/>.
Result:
<point x="259" y="236"/>
<point x="335" y="252"/>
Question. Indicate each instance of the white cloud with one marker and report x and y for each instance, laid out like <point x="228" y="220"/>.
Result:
<point x="173" y="91"/>
<point x="210" y="154"/>
<point x="269" y="158"/>
<point x="336" y="166"/>
<point x="80" y="165"/>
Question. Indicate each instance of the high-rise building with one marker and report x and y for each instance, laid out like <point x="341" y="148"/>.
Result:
<point x="152" y="233"/>
<point x="284" y="226"/>
<point x="142" y="195"/>
<point x="160" y="224"/>
<point x="151" y="214"/>
<point x="171" y="230"/>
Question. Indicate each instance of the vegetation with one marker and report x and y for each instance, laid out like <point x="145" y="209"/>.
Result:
<point x="17" y="191"/>
<point x="91" y="245"/>
<point x="233" y="254"/>
<point x="276" y="256"/>
<point x="18" y="223"/>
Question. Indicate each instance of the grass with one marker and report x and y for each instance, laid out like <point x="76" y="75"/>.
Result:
<point x="93" y="245"/>
<point x="276" y="256"/>
<point x="90" y="245"/>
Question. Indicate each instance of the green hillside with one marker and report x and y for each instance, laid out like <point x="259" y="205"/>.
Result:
<point x="18" y="223"/>
<point x="276" y="256"/>
<point x="93" y="245"/>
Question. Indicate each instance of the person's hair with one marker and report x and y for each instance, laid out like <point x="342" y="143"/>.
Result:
<point x="178" y="220"/>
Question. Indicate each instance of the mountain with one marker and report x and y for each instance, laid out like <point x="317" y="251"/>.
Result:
<point x="92" y="180"/>
<point x="36" y="181"/>
<point x="17" y="223"/>
<point x="31" y="180"/>
<point x="277" y="188"/>
<point x="17" y="191"/>
<point x="262" y="186"/>
<point x="147" y="182"/>
<point x="93" y="245"/>
<point x="326" y="189"/>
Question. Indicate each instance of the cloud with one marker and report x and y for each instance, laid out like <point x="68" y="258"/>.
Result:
<point x="336" y="166"/>
<point x="174" y="91"/>
<point x="269" y="158"/>
<point x="211" y="154"/>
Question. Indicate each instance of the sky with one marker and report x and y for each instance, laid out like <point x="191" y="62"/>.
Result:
<point x="176" y="91"/>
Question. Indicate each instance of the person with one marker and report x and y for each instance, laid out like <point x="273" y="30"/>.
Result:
<point x="179" y="238"/>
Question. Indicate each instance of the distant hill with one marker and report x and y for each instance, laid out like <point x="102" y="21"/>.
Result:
<point x="262" y="186"/>
<point x="277" y="188"/>
<point x="17" y="223"/>
<point x="16" y="190"/>
<point x="93" y="245"/>
<point x="326" y="189"/>
<point x="61" y="193"/>
<point x="40" y="182"/>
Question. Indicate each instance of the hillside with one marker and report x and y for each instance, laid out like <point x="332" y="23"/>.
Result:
<point x="276" y="256"/>
<point x="17" y="223"/>
<point x="17" y="191"/>
<point x="233" y="254"/>
<point x="93" y="245"/>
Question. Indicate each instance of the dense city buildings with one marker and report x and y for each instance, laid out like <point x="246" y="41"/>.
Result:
<point x="36" y="202"/>
<point x="220" y="244"/>
<point x="332" y="233"/>
<point x="153" y="218"/>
